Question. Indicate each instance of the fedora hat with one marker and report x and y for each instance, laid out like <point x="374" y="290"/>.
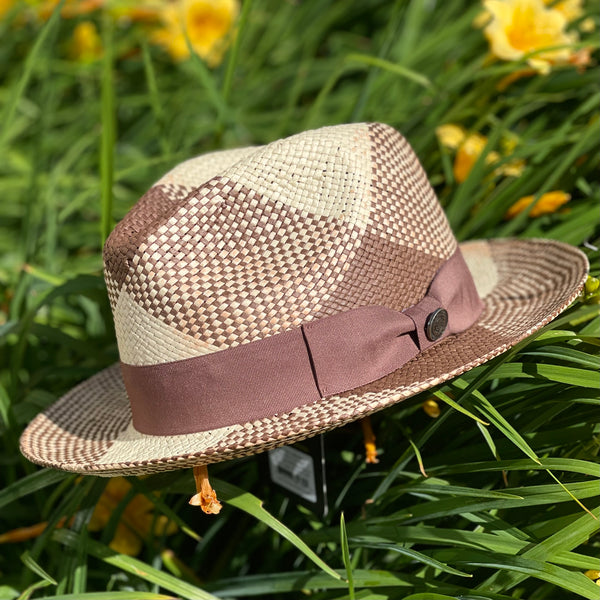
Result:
<point x="267" y="294"/>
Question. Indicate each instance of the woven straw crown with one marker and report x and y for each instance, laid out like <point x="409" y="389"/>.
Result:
<point x="309" y="226"/>
<point x="230" y="249"/>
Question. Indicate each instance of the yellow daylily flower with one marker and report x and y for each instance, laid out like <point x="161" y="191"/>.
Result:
<point x="137" y="522"/>
<point x="594" y="575"/>
<point x="207" y="23"/>
<point x="467" y="154"/>
<point x="520" y="27"/>
<point x="469" y="146"/>
<point x="548" y="203"/>
<point x="451" y="136"/>
<point x="512" y="168"/>
<point x="587" y="25"/>
<point x="571" y="9"/>
<point x="431" y="408"/>
<point x="86" y="44"/>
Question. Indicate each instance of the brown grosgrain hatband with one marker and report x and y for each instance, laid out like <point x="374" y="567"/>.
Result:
<point x="287" y="370"/>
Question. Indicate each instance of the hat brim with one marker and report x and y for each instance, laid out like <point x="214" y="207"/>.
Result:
<point x="523" y="283"/>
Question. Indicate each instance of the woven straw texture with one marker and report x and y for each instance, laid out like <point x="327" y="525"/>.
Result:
<point x="236" y="246"/>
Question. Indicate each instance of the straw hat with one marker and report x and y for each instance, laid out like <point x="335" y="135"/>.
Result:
<point x="265" y="295"/>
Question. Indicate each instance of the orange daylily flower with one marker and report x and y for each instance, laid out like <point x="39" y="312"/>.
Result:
<point x="548" y="203"/>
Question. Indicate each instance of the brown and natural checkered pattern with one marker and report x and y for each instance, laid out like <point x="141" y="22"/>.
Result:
<point x="237" y="260"/>
<point x="240" y="245"/>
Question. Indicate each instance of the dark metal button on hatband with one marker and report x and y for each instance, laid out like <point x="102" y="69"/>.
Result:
<point x="436" y="324"/>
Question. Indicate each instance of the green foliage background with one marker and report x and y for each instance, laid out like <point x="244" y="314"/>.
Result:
<point x="496" y="518"/>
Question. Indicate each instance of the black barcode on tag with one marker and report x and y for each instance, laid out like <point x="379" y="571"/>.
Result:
<point x="293" y="470"/>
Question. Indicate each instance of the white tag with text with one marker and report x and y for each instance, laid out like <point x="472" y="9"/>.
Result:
<point x="294" y="471"/>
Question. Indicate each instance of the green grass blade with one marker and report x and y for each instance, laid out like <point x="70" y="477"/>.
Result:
<point x="31" y="564"/>
<point x="153" y="99"/>
<point x="418" y="556"/>
<point x="112" y="596"/>
<point x="108" y="137"/>
<point x="208" y="83"/>
<point x="556" y="464"/>
<point x="253" y="506"/>
<point x="38" y="585"/>
<point x="429" y="596"/>
<point x="548" y="550"/>
<point x="30" y="484"/>
<point x="559" y="373"/>
<point x="262" y="585"/>
<point x="346" y="556"/>
<point x="135" y="566"/>
<point x="485" y="407"/>
<point x="235" y="49"/>
<point x="447" y="400"/>
<point x="30" y="63"/>
<point x="576" y="583"/>
<point x="394" y="68"/>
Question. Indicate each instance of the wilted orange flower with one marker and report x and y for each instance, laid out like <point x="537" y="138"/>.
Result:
<point x="207" y="23"/>
<point x="137" y="522"/>
<point x="520" y="27"/>
<point x="85" y="45"/>
<point x="369" y="441"/>
<point x="205" y="497"/>
<point x="548" y="203"/>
